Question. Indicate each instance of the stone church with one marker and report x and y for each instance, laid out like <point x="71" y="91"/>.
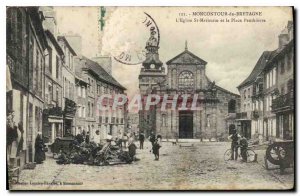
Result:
<point x="185" y="74"/>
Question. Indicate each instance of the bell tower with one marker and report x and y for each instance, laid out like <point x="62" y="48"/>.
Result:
<point x="152" y="72"/>
<point x="151" y="76"/>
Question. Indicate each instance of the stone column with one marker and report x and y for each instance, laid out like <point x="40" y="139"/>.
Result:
<point x="59" y="129"/>
<point x="201" y="112"/>
<point x="159" y="125"/>
<point x="175" y="124"/>
<point x="170" y="77"/>
<point x="174" y="78"/>
<point x="169" y="123"/>
<point x="198" y="78"/>
<point x="197" y="124"/>
<point x="52" y="132"/>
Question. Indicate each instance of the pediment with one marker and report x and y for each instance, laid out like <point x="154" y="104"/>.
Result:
<point x="186" y="58"/>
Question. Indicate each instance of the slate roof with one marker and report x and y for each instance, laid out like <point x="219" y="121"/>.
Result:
<point x="54" y="42"/>
<point x="266" y="61"/>
<point x="277" y="53"/>
<point x="35" y="15"/>
<point x="101" y="73"/>
<point x="186" y="58"/>
<point x="78" y="69"/>
<point x="67" y="44"/>
<point x="102" y="60"/>
<point x="222" y="89"/>
<point x="226" y="91"/>
<point x="258" y="68"/>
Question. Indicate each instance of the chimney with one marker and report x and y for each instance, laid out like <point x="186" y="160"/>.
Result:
<point x="50" y="19"/>
<point x="283" y="38"/>
<point x="105" y="62"/>
<point x="290" y="28"/>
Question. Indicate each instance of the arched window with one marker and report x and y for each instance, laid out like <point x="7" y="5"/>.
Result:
<point x="186" y="80"/>
<point x="231" y="106"/>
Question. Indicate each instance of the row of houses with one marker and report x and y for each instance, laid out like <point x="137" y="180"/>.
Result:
<point x="54" y="89"/>
<point x="267" y="94"/>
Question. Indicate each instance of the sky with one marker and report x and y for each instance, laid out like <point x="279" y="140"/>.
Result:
<point x="231" y="49"/>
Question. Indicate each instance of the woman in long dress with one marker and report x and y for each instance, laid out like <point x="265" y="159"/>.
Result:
<point x="39" y="156"/>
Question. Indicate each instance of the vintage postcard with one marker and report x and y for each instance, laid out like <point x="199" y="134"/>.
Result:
<point x="150" y="98"/>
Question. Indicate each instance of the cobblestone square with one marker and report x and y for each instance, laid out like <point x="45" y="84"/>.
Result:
<point x="195" y="168"/>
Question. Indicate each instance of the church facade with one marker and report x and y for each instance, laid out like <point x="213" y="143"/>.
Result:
<point x="185" y="76"/>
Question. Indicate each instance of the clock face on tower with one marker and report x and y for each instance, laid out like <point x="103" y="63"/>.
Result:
<point x="152" y="66"/>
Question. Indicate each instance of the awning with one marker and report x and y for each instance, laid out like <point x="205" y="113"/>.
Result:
<point x="243" y="119"/>
<point x="69" y="118"/>
<point x="55" y="120"/>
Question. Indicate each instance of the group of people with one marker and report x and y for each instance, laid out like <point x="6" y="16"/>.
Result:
<point x="14" y="138"/>
<point x="15" y="141"/>
<point x="125" y="139"/>
<point x="87" y="138"/>
<point x="238" y="141"/>
<point x="156" y="144"/>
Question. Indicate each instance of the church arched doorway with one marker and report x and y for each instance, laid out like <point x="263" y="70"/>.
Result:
<point x="186" y="124"/>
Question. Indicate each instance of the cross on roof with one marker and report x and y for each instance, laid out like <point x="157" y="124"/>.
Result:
<point x="186" y="45"/>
